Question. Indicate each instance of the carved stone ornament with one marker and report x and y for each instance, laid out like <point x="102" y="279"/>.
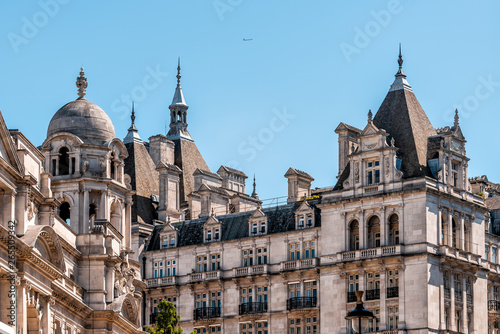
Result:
<point x="124" y="279"/>
<point x="387" y="165"/>
<point x="356" y="172"/>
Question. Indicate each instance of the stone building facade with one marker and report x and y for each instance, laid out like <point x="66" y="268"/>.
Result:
<point x="104" y="229"/>
<point x="403" y="223"/>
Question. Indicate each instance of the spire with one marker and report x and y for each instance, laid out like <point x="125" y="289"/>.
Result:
<point x="133" y="133"/>
<point x="254" y="192"/>
<point x="178" y="111"/>
<point x="81" y="83"/>
<point x="178" y="95"/>
<point x="400" y="81"/>
<point x="455" y="124"/>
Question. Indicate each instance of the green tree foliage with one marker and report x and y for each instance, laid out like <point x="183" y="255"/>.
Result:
<point x="167" y="320"/>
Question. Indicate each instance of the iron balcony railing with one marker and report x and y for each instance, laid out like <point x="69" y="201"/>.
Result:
<point x="373" y="294"/>
<point x="206" y="313"/>
<point x="351" y="297"/>
<point x="300" y="302"/>
<point x="393" y="292"/>
<point x="493" y="305"/>
<point x="252" y="308"/>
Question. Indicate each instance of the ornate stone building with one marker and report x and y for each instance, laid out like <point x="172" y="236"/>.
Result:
<point x="104" y="229"/>
<point x="71" y="202"/>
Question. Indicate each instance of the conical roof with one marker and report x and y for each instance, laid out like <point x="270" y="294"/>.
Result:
<point x="403" y="118"/>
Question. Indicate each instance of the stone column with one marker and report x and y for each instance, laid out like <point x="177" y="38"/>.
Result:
<point x="20" y="209"/>
<point x="383" y="296"/>
<point x="110" y="273"/>
<point x="102" y="205"/>
<point x="442" y="316"/>
<point x="362" y="230"/>
<point x="401" y="282"/>
<point x="452" y="303"/>
<point x="465" y="304"/>
<point x="440" y="225"/>
<point x="85" y="223"/>
<point x="128" y="222"/>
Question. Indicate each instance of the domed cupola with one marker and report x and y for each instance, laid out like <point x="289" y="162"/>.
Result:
<point x="82" y="118"/>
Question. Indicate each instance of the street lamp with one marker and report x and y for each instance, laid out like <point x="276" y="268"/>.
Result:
<point x="359" y="316"/>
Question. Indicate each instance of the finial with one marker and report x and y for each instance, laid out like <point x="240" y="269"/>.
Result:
<point x="370" y="116"/>
<point x="400" y="59"/>
<point x="81" y="83"/>
<point x="178" y="72"/>
<point x="254" y="192"/>
<point x="133" y="114"/>
<point x="456" y="118"/>
<point x="392" y="141"/>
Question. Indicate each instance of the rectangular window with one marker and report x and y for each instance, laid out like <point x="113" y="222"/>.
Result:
<point x="209" y="235"/>
<point x="246" y="295"/>
<point x="262" y="255"/>
<point x="202" y="264"/>
<point x="374" y="324"/>
<point x="494" y="255"/>
<point x="262" y="294"/>
<point x="215" y="262"/>
<point x="170" y="268"/>
<point x="216" y="234"/>
<point x="301" y="222"/>
<point x="309" y="221"/>
<point x="263" y="227"/>
<point x="487" y="252"/>
<point x="454" y="171"/>
<point x="311" y="289"/>
<point x="293" y="290"/>
<point x="373" y="172"/>
<point x="254" y="228"/>
<point x="309" y="250"/>
<point x="393" y="317"/>
<point x="247" y="257"/>
<point x="294" y="251"/>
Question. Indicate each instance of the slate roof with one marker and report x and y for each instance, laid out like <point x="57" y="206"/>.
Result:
<point x="144" y="180"/>
<point x="402" y="117"/>
<point x="207" y="173"/>
<point x="233" y="171"/>
<point x="298" y="172"/>
<point x="235" y="226"/>
<point x="188" y="158"/>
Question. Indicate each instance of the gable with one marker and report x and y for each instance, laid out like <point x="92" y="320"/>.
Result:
<point x="8" y="150"/>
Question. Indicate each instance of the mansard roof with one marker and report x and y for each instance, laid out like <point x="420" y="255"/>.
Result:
<point x="235" y="226"/>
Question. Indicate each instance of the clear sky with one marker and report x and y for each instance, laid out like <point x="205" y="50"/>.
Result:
<point x="262" y="105"/>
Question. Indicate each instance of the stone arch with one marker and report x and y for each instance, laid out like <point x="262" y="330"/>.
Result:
<point x="126" y="306"/>
<point x="45" y="239"/>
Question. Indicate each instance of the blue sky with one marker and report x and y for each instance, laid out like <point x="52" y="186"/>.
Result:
<point x="262" y="105"/>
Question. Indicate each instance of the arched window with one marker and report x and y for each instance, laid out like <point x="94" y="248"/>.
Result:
<point x="374" y="232"/>
<point x="354" y="235"/>
<point x="63" y="161"/>
<point x="64" y="212"/>
<point x="467" y="237"/>
<point x="92" y="214"/>
<point x="394" y="229"/>
<point x="455" y="231"/>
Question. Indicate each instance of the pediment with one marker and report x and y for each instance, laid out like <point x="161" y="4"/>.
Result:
<point x="212" y="220"/>
<point x="458" y="133"/>
<point x="304" y="207"/>
<point x="371" y="129"/>
<point x="258" y="214"/>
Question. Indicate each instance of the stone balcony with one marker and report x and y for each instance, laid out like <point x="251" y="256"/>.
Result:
<point x="299" y="264"/>
<point x="369" y="253"/>
<point x="162" y="281"/>
<point x="249" y="271"/>
<point x="205" y="276"/>
<point x="459" y="254"/>
<point x="494" y="307"/>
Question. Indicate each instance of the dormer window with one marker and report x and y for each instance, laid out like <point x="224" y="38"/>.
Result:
<point x="169" y="239"/>
<point x="254" y="228"/>
<point x="305" y="220"/>
<point x="216" y="234"/>
<point x="209" y="235"/>
<point x="373" y="172"/>
<point x="301" y="222"/>
<point x="262" y="227"/>
<point x="309" y="221"/>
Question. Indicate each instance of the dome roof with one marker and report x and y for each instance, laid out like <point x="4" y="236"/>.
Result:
<point x="83" y="119"/>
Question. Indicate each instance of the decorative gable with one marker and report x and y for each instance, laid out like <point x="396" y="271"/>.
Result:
<point x="304" y="216"/>
<point x="257" y="223"/>
<point x="169" y="235"/>
<point x="212" y="229"/>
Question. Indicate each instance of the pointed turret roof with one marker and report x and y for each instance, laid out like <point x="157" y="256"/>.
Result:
<point x="178" y="95"/>
<point x="133" y="133"/>
<point x="402" y="117"/>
